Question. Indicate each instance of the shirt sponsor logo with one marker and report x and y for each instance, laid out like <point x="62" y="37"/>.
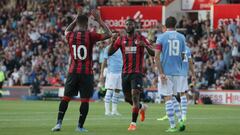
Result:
<point x="130" y="50"/>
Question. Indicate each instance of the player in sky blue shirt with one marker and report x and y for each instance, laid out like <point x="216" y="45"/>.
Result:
<point x="170" y="47"/>
<point x="114" y="62"/>
<point x="113" y="81"/>
<point x="173" y="45"/>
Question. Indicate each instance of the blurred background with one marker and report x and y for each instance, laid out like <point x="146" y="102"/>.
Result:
<point x="34" y="53"/>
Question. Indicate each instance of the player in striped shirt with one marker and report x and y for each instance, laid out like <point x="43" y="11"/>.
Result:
<point x="80" y="74"/>
<point x="132" y="46"/>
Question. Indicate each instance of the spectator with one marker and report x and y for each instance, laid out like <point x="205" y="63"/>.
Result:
<point x="219" y="66"/>
<point x="209" y="73"/>
<point x="237" y="36"/>
<point x="35" y="88"/>
<point x="227" y="57"/>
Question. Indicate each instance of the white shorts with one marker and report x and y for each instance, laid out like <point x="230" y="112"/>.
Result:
<point x="113" y="81"/>
<point x="174" y="85"/>
<point x="184" y="84"/>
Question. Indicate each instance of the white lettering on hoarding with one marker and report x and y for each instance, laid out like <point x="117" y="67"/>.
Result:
<point x="205" y="6"/>
<point x="223" y="97"/>
<point x="222" y="21"/>
<point x="146" y="23"/>
<point x="217" y="98"/>
<point x="121" y="23"/>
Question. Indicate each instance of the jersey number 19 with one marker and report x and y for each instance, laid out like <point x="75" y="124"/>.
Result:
<point x="174" y="47"/>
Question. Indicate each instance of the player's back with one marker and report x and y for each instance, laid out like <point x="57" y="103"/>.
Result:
<point x="173" y="45"/>
<point x="81" y="47"/>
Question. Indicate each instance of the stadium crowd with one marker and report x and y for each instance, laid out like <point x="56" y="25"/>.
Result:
<point x="32" y="44"/>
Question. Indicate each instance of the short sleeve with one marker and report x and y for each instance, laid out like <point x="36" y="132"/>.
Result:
<point x="96" y="37"/>
<point x="146" y="41"/>
<point x="159" y="43"/>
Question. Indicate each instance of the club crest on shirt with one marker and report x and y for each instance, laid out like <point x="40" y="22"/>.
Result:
<point x="130" y="49"/>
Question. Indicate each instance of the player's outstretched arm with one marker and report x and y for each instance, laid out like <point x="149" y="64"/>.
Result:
<point x="150" y="50"/>
<point x="71" y="26"/>
<point x="147" y="45"/>
<point x="106" y="29"/>
<point x="114" y="42"/>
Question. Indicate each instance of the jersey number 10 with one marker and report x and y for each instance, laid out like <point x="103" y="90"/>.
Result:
<point x="79" y="52"/>
<point x="174" y="47"/>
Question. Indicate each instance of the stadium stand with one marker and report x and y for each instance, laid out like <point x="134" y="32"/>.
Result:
<point x="32" y="44"/>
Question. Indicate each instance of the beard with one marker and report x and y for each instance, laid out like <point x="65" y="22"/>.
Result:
<point x="130" y="31"/>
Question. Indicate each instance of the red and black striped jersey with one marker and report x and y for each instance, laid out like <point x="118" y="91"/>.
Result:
<point x="133" y="54"/>
<point x="81" y="48"/>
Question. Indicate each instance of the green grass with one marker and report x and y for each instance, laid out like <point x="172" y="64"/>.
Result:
<point x="38" y="117"/>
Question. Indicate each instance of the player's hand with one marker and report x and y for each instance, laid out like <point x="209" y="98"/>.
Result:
<point x="163" y="79"/>
<point x="114" y="37"/>
<point x="141" y="43"/>
<point x="96" y="14"/>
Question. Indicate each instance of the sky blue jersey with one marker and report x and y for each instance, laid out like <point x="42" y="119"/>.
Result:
<point x="185" y="67"/>
<point x="114" y="62"/>
<point x="172" y="46"/>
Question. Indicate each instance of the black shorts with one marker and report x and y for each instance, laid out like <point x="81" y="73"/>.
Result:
<point x="82" y="83"/>
<point x="132" y="81"/>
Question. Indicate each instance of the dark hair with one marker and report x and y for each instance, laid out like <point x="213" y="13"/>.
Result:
<point x="82" y="20"/>
<point x="130" y="20"/>
<point x="170" y="22"/>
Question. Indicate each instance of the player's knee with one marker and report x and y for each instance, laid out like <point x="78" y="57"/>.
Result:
<point x="66" y="98"/>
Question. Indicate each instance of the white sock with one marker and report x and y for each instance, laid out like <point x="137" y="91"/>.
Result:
<point x="107" y="100"/>
<point x="176" y="108"/>
<point x="170" y="113"/>
<point x="115" y="101"/>
<point x="134" y="123"/>
<point x="184" y="106"/>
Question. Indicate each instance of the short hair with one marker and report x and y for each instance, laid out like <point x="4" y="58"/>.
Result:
<point x="171" y="22"/>
<point x="130" y="20"/>
<point x="82" y="20"/>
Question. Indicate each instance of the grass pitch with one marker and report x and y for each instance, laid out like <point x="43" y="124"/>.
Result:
<point x="38" y="117"/>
